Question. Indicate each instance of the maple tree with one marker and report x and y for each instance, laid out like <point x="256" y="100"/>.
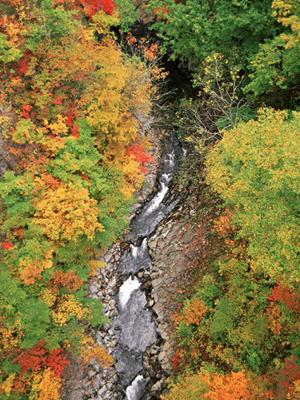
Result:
<point x="192" y="312"/>
<point x="91" y="7"/>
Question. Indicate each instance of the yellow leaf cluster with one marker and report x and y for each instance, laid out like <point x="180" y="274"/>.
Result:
<point x="294" y="391"/>
<point x="286" y="14"/>
<point x="69" y="307"/>
<point x="130" y="168"/>
<point x="67" y="212"/>
<point x="53" y="145"/>
<point x="10" y="336"/>
<point x="205" y="386"/>
<point x="7" y="385"/>
<point x="25" y="132"/>
<point x="48" y="297"/>
<point x="95" y="265"/>
<point x="102" y="22"/>
<point x="255" y="169"/>
<point x="59" y="127"/>
<point x="46" y="386"/>
<point x="13" y="30"/>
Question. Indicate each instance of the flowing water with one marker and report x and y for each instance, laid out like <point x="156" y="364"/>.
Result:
<point x="135" y="323"/>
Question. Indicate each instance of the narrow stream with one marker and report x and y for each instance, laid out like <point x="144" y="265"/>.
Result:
<point x="135" y="324"/>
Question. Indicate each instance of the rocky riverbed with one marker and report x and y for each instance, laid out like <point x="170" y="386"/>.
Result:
<point x="162" y="275"/>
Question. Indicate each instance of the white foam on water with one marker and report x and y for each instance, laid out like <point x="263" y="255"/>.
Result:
<point x="157" y="200"/>
<point x="171" y="158"/>
<point x="133" y="390"/>
<point x="144" y="244"/>
<point x="167" y="177"/>
<point x="134" y="251"/>
<point x="126" y="290"/>
<point x="137" y="251"/>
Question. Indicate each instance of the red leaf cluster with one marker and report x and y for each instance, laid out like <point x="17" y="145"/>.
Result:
<point x="75" y="131"/>
<point x="33" y="359"/>
<point x="57" y="361"/>
<point x="285" y="295"/>
<point x="177" y="360"/>
<point x="70" y="118"/>
<point x="26" y="110"/>
<point x="39" y="357"/>
<point x="7" y="245"/>
<point x="23" y="64"/>
<point x="137" y="151"/>
<point x="289" y="373"/>
<point x="58" y="100"/>
<point x="91" y="7"/>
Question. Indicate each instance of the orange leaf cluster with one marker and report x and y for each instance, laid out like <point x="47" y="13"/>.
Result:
<point x="31" y="273"/>
<point x="234" y="386"/>
<point x="286" y="295"/>
<point x="223" y="225"/>
<point x="92" y="351"/>
<point x="274" y="315"/>
<point x="177" y="360"/>
<point x="193" y="313"/>
<point x="151" y="52"/>
<point x="69" y="280"/>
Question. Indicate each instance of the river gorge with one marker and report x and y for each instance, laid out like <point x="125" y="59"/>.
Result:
<point x="125" y="287"/>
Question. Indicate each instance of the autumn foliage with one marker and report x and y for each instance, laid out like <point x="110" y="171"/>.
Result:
<point x="138" y="152"/>
<point x="241" y="327"/>
<point x="287" y="296"/>
<point x="39" y="357"/>
<point x="205" y="386"/>
<point x="68" y="105"/>
<point x="91" y="7"/>
<point x="192" y="313"/>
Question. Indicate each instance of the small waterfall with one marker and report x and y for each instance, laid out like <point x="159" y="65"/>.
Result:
<point x="127" y="289"/>
<point x="144" y="244"/>
<point x="138" y="252"/>
<point x="134" y="251"/>
<point x="157" y="200"/>
<point x="171" y="159"/>
<point x="136" y="389"/>
<point x="166" y="178"/>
